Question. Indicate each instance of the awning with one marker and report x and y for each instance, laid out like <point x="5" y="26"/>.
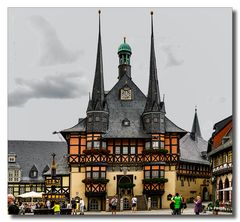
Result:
<point x="226" y="189"/>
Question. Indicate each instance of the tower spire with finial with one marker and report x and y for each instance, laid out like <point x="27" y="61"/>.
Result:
<point x="154" y="111"/>
<point x="97" y="105"/>
<point x="98" y="85"/>
<point x="153" y="97"/>
<point x="196" y="132"/>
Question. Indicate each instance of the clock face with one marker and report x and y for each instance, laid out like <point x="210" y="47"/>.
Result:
<point x="126" y="93"/>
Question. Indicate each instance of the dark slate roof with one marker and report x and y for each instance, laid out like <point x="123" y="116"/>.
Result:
<point x="36" y="153"/>
<point x="170" y="127"/>
<point x="125" y="110"/>
<point x="224" y="146"/>
<point x="191" y="150"/>
<point x="80" y="127"/>
<point x="220" y="125"/>
<point x="120" y="110"/>
<point x="62" y="167"/>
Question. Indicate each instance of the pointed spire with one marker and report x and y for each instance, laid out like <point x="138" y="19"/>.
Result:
<point x="196" y="132"/>
<point x="153" y="98"/>
<point x="53" y="165"/>
<point x="98" y="85"/>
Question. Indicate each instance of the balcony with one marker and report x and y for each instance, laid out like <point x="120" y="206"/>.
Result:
<point x="153" y="188"/>
<point x="83" y="159"/>
<point x="95" y="190"/>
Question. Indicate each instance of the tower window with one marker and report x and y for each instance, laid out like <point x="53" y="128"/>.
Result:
<point x="155" y="145"/>
<point x="133" y="149"/>
<point x="125" y="150"/>
<point x="90" y="119"/>
<point x="104" y="119"/>
<point x="147" y="145"/>
<point x="117" y="150"/>
<point x="147" y="120"/>
<point x="97" y="118"/>
<point x="96" y="144"/>
<point x="155" y="120"/>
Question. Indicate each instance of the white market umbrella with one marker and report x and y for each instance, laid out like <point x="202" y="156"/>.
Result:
<point x="31" y="195"/>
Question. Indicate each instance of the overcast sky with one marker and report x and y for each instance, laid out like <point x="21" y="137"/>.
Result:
<point x="52" y="58"/>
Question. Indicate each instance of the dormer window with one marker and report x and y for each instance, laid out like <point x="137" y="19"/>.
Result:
<point x="12" y="158"/>
<point x="33" y="172"/>
<point x="126" y="122"/>
<point x="225" y="139"/>
<point x="46" y="168"/>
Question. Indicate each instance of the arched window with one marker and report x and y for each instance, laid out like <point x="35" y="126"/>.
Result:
<point x="220" y="187"/>
<point x="226" y="194"/>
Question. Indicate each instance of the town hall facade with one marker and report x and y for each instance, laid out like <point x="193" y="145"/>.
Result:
<point x="126" y="145"/>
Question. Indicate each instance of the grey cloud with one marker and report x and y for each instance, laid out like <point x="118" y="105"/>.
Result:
<point x="61" y="86"/>
<point x="222" y="99"/>
<point x="53" y="50"/>
<point x="172" y="57"/>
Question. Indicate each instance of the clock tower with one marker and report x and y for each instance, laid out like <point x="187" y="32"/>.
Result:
<point x="124" y="54"/>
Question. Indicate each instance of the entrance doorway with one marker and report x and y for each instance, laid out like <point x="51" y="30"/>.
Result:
<point x="205" y="194"/>
<point x="125" y="185"/>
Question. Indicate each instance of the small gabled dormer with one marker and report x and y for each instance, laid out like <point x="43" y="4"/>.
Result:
<point x="46" y="168"/>
<point x="33" y="173"/>
<point x="12" y="158"/>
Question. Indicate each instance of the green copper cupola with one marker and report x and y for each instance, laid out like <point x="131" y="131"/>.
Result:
<point x="124" y="54"/>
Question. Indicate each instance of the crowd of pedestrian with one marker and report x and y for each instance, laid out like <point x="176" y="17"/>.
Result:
<point x="178" y="204"/>
<point x="21" y="208"/>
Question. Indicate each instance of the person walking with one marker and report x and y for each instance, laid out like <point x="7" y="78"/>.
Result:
<point x="48" y="204"/>
<point x="114" y="202"/>
<point x="81" y="203"/>
<point x="134" y="204"/>
<point x="12" y="207"/>
<point x="183" y="205"/>
<point x="74" y="206"/>
<point x="68" y="205"/>
<point x="56" y="208"/>
<point x="198" y="205"/>
<point x="177" y="204"/>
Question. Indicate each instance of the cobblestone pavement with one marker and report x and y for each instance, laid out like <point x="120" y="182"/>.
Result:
<point x="188" y="211"/>
<point x="163" y="212"/>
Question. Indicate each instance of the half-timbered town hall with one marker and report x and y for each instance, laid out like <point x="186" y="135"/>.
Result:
<point x="126" y="145"/>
